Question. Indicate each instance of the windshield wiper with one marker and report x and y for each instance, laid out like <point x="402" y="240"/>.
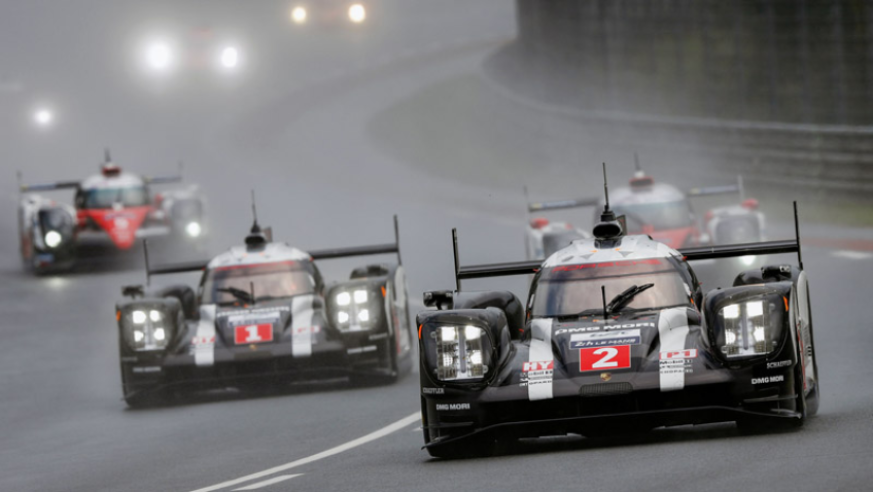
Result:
<point x="623" y="299"/>
<point x="239" y="294"/>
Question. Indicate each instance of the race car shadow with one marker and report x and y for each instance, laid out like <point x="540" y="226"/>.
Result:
<point x="177" y="397"/>
<point x="685" y="433"/>
<point x="577" y="443"/>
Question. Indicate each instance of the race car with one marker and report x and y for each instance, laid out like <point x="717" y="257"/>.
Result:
<point x="200" y="50"/>
<point x="664" y="212"/>
<point x="329" y="13"/>
<point x="616" y="336"/>
<point x="262" y="313"/>
<point x="112" y="208"/>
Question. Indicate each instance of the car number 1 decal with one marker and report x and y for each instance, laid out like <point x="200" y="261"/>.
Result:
<point x="604" y="358"/>
<point x="253" y="333"/>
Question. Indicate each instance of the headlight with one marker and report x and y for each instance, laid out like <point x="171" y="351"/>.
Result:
<point x="747" y="260"/>
<point x="360" y="296"/>
<point x="53" y="238"/>
<point x="229" y="57"/>
<point x="353" y="310"/>
<point x="146" y="328"/>
<point x="193" y="229"/>
<point x="159" y="56"/>
<point x="462" y="353"/>
<point x="298" y="15"/>
<point x="746" y="329"/>
<point x="357" y="13"/>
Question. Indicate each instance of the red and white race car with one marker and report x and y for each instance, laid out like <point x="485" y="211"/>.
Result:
<point x="663" y="212"/>
<point x="112" y="208"/>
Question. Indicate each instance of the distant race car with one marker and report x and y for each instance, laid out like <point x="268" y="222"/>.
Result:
<point x="201" y="50"/>
<point x="616" y="336"/>
<point x="329" y="13"/>
<point x="663" y="212"/>
<point x="263" y="313"/>
<point x="112" y="208"/>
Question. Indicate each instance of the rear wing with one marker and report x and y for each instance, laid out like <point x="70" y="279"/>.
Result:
<point x="689" y="254"/>
<point x="324" y="254"/>
<point x="60" y="185"/>
<point x="377" y="249"/>
<point x="561" y="204"/>
<point x="163" y="179"/>
<point x="720" y="190"/>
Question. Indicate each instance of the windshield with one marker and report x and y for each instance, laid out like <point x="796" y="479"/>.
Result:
<point x="579" y="291"/>
<point x="136" y="196"/>
<point x="270" y="281"/>
<point x="665" y="215"/>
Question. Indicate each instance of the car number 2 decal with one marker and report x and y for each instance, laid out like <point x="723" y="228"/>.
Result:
<point x="604" y="358"/>
<point x="253" y="333"/>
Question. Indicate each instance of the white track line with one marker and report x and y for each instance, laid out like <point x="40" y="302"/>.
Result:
<point x="280" y="478"/>
<point x="400" y="424"/>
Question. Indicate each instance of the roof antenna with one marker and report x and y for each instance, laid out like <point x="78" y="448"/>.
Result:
<point x="256" y="238"/>
<point x="107" y="158"/>
<point x="637" y="162"/>
<point x="255" y="227"/>
<point x="608" y="228"/>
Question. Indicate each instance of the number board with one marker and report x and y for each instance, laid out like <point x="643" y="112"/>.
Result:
<point x="605" y="358"/>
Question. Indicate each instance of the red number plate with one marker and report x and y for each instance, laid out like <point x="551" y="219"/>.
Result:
<point x="604" y="358"/>
<point x="253" y="333"/>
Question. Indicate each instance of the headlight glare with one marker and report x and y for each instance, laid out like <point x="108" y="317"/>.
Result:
<point x="138" y="317"/>
<point x="53" y="239"/>
<point x="193" y="229"/>
<point x="343" y="299"/>
<point x="364" y="315"/>
<point x="360" y="296"/>
<point x="746" y="329"/>
<point x="160" y="335"/>
<point x="146" y="328"/>
<point x="462" y="353"/>
<point x="155" y="315"/>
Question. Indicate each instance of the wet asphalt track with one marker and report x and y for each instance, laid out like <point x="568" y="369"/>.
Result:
<point x="322" y="182"/>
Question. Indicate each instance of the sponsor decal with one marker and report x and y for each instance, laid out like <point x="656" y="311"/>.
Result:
<point x="602" y="358"/>
<point x="202" y="340"/>
<point x="432" y="391"/>
<point x="675" y="366"/>
<point x="306" y="329"/>
<point x="607" y="264"/>
<point x="538" y="366"/>
<point x="769" y="379"/>
<point x="679" y="354"/>
<point x="379" y="336"/>
<point x="777" y="365"/>
<point x="246" y="334"/>
<point x="590" y="328"/>
<point x="361" y="350"/>
<point x="244" y="312"/>
<point x="129" y="359"/>
<point x="441" y="407"/>
<point x="605" y="339"/>
<point x="147" y="369"/>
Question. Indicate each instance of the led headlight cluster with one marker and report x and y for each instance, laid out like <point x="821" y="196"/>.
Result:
<point x="147" y="329"/>
<point x="746" y="329"/>
<point x="353" y="310"/>
<point x="462" y="352"/>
